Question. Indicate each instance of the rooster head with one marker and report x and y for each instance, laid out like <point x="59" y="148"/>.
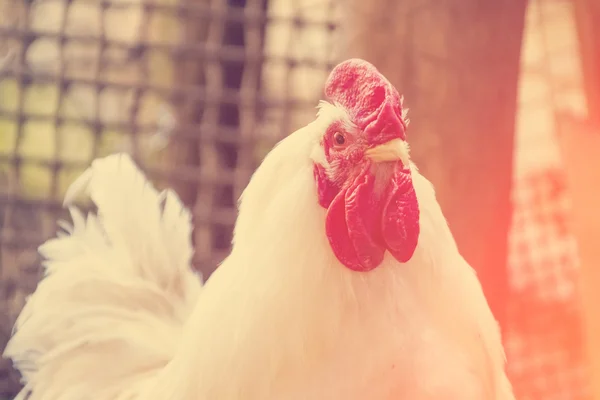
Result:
<point x="362" y="169"/>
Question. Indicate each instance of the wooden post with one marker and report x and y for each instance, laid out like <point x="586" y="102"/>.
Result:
<point x="457" y="63"/>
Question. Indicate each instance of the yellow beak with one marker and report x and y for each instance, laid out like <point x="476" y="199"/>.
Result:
<point x="394" y="150"/>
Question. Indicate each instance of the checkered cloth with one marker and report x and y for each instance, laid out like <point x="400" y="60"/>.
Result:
<point x="543" y="338"/>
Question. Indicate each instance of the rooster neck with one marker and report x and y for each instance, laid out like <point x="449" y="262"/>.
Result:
<point x="282" y="302"/>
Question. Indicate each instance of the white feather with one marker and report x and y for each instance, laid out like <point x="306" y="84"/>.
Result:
<point x="118" y="288"/>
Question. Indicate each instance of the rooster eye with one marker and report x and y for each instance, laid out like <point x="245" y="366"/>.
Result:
<point x="339" y="139"/>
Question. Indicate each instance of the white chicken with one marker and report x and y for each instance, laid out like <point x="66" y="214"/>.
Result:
<point x="344" y="281"/>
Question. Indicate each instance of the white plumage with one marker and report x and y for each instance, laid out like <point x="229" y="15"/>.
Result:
<point x="120" y="315"/>
<point x="118" y="288"/>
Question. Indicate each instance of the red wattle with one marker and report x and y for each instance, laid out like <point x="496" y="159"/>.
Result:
<point x="362" y="222"/>
<point x="361" y="226"/>
<point x="353" y="225"/>
<point x="349" y="239"/>
<point x="337" y="233"/>
<point x="400" y="216"/>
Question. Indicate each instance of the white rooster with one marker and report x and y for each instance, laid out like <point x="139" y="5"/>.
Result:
<point x="344" y="281"/>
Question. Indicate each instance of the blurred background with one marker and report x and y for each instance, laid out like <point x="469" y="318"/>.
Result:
<point x="504" y="99"/>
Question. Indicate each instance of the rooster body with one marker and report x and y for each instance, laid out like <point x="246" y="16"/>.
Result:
<point x="120" y="315"/>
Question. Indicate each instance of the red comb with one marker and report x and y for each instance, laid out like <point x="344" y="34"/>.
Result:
<point x="370" y="99"/>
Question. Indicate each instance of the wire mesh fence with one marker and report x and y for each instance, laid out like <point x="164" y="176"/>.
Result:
<point x="198" y="91"/>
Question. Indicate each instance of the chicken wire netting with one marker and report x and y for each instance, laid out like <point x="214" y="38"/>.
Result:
<point x="198" y="92"/>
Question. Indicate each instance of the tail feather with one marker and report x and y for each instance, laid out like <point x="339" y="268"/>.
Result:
<point x="118" y="289"/>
